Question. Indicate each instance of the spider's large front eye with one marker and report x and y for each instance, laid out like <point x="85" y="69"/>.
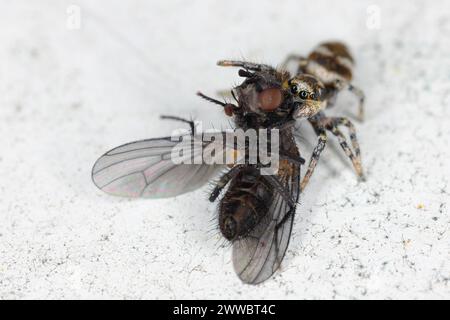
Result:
<point x="294" y="89"/>
<point x="303" y="94"/>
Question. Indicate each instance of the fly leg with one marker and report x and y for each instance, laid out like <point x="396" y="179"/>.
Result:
<point x="297" y="161"/>
<point x="223" y="181"/>
<point x="191" y="123"/>
<point x="342" y="85"/>
<point x="288" y="215"/>
<point x="284" y="193"/>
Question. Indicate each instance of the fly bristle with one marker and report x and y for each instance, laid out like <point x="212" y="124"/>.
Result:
<point x="212" y="230"/>
<point x="222" y="242"/>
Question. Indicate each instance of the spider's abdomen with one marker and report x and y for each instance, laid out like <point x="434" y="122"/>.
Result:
<point x="330" y="61"/>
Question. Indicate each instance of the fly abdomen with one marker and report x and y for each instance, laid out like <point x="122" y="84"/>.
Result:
<point x="330" y="61"/>
<point x="244" y="204"/>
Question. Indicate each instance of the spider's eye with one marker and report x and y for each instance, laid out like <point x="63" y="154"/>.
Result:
<point x="313" y="96"/>
<point x="303" y="94"/>
<point x="294" y="89"/>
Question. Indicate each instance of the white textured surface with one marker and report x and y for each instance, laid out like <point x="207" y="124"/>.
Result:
<point x="66" y="96"/>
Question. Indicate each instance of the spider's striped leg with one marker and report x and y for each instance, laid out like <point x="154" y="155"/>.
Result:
<point x="356" y="161"/>
<point x="315" y="155"/>
<point x="342" y="85"/>
<point x="352" y="134"/>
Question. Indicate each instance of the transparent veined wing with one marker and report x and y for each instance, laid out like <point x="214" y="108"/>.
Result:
<point x="257" y="256"/>
<point x="146" y="168"/>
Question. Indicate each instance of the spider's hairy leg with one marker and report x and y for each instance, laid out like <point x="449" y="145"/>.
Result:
<point x="342" y="85"/>
<point x="322" y="141"/>
<point x="352" y="133"/>
<point x="223" y="181"/>
<point x="343" y="142"/>
<point x="320" y="122"/>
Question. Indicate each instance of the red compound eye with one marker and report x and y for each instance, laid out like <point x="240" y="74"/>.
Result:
<point x="270" y="99"/>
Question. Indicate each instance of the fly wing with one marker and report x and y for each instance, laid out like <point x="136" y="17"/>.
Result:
<point x="257" y="256"/>
<point x="146" y="168"/>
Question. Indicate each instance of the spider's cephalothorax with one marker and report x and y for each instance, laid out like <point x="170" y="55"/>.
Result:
<point x="332" y="64"/>
<point x="307" y="94"/>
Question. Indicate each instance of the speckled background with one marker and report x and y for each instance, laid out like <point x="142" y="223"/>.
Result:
<point x="68" y="93"/>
